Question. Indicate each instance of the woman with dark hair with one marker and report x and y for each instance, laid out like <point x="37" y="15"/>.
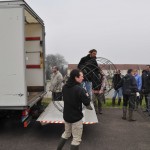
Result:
<point x="73" y="95"/>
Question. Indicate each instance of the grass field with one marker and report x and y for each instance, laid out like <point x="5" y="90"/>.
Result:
<point x="107" y="104"/>
<point x="46" y="101"/>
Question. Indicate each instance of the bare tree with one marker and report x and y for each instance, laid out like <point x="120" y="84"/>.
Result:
<point x="55" y="60"/>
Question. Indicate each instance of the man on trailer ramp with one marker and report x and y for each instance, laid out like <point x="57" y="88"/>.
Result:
<point x="88" y="65"/>
<point x="74" y="95"/>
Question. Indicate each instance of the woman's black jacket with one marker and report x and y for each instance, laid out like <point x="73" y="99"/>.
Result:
<point x="74" y="95"/>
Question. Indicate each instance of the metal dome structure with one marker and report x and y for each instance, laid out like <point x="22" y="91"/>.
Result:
<point x="105" y="71"/>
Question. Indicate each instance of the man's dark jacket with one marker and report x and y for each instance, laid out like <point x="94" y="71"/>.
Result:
<point x="74" y="95"/>
<point x="146" y="82"/>
<point x="128" y="84"/>
<point x="89" y="67"/>
<point x="97" y="81"/>
<point x="116" y="79"/>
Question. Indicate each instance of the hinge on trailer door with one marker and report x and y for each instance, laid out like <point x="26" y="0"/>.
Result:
<point x="20" y="94"/>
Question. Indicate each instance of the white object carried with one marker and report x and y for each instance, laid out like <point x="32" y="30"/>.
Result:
<point x="53" y="115"/>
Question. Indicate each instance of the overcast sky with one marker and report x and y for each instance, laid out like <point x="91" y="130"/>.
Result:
<point x="118" y="29"/>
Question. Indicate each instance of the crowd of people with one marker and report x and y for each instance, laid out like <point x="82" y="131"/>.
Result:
<point x="133" y="88"/>
<point x="87" y="84"/>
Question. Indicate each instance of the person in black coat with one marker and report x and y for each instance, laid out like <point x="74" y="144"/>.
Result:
<point x="74" y="96"/>
<point x="88" y="65"/>
<point x="146" y="86"/>
<point x="116" y="79"/>
<point x="130" y="91"/>
<point x="98" y="89"/>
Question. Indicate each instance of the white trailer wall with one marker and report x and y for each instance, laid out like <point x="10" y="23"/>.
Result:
<point x="12" y="59"/>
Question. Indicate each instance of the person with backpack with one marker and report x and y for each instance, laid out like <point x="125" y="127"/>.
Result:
<point x="130" y="92"/>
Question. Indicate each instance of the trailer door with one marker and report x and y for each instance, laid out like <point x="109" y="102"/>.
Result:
<point x="12" y="59"/>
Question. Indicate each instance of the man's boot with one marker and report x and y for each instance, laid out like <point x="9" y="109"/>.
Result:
<point x="100" y="111"/>
<point x="137" y="102"/>
<point x="124" y="113"/>
<point x="99" y="107"/>
<point x="74" y="147"/>
<point x="95" y="106"/>
<point x="113" y="101"/>
<point x="136" y="106"/>
<point x="119" y="101"/>
<point x="131" y="115"/>
<point x="61" y="143"/>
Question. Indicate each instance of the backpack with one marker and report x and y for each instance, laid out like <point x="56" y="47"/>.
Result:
<point x="127" y="85"/>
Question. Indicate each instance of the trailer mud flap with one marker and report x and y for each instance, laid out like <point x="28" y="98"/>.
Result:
<point x="26" y="118"/>
<point x="53" y="115"/>
<point x="27" y="121"/>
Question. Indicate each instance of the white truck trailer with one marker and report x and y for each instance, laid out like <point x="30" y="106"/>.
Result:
<point x="22" y="68"/>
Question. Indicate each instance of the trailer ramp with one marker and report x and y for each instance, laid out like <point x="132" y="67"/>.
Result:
<point x="52" y="115"/>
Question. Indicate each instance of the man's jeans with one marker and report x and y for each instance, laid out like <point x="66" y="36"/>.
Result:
<point x="88" y="87"/>
<point x="119" y="92"/>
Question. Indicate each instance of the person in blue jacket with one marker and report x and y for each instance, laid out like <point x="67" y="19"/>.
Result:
<point x="139" y="85"/>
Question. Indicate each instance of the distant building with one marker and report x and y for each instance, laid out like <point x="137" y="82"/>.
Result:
<point x="122" y="67"/>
